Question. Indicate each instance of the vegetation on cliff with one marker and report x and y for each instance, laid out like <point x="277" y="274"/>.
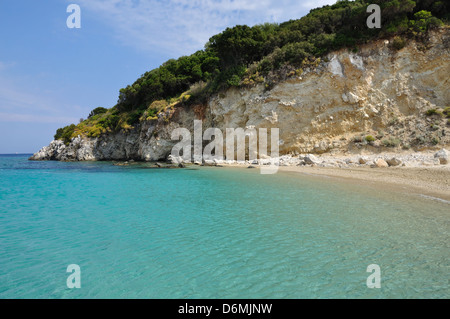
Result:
<point x="243" y="55"/>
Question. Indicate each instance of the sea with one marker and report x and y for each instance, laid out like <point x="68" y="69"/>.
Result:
<point x="211" y="232"/>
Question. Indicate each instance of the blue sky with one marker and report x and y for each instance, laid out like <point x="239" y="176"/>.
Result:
<point x="51" y="76"/>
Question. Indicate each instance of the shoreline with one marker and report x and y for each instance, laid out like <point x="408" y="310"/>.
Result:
<point x="422" y="173"/>
<point x="417" y="173"/>
<point x="431" y="182"/>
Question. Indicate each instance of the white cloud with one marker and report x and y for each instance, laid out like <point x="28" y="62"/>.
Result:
<point x="33" y="118"/>
<point x="19" y="103"/>
<point x="177" y="27"/>
<point x="317" y="3"/>
<point x="14" y="97"/>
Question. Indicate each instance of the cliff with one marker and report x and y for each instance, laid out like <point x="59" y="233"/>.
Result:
<point x="370" y="101"/>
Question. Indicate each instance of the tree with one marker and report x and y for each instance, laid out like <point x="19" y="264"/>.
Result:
<point x="97" y="111"/>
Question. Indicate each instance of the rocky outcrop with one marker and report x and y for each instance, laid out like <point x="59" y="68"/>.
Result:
<point x="331" y="108"/>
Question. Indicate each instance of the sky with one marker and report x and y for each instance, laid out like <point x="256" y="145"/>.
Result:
<point x="52" y="75"/>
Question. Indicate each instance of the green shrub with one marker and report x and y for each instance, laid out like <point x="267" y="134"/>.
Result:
<point x="424" y="20"/>
<point x="97" y="111"/>
<point x="133" y="117"/>
<point x="269" y="85"/>
<point x="391" y="142"/>
<point x="65" y="133"/>
<point x="446" y="112"/>
<point x="406" y="146"/>
<point x="265" y="66"/>
<point x="109" y="121"/>
<point x="434" y="127"/>
<point x="393" y="121"/>
<point x="432" y="112"/>
<point x="398" y="43"/>
<point x="297" y="52"/>
<point x="435" y="141"/>
<point x="370" y="139"/>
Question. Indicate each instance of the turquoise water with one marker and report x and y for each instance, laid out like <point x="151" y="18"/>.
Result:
<point x="212" y="233"/>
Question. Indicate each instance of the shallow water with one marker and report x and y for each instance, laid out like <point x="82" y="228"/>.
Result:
<point x="212" y="233"/>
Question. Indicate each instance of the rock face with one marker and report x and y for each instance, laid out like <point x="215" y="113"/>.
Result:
<point x="50" y="152"/>
<point x="322" y="111"/>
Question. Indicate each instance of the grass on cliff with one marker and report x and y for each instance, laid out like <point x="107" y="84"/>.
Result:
<point x="262" y="54"/>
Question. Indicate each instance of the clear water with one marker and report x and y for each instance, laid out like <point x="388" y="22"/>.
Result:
<point x="212" y="233"/>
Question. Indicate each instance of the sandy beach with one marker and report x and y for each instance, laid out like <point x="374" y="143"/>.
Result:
<point x="431" y="181"/>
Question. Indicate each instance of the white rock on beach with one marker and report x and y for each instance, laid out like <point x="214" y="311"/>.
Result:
<point x="442" y="155"/>
<point x="381" y="163"/>
<point x="310" y="159"/>
<point x="394" y="162"/>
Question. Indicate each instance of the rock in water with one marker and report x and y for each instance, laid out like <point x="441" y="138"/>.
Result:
<point x="50" y="152"/>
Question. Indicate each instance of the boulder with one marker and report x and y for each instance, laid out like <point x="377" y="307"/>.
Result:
<point x="381" y="163"/>
<point x="53" y="151"/>
<point x="349" y="161"/>
<point x="209" y="163"/>
<point x="394" y="162"/>
<point x="174" y="159"/>
<point x="301" y="163"/>
<point x="443" y="156"/>
<point x="311" y="159"/>
<point x="363" y="160"/>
